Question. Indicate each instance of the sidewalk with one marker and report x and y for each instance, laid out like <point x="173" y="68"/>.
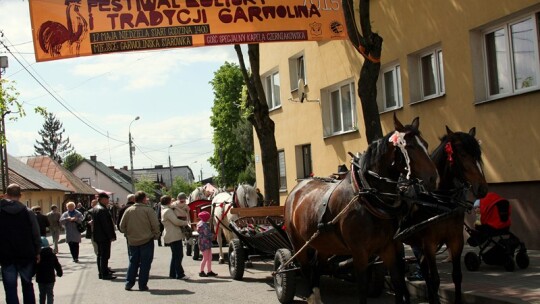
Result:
<point x="489" y="285"/>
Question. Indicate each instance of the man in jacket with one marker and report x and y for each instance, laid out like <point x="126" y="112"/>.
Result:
<point x="20" y="245"/>
<point x="103" y="233"/>
<point x="141" y="227"/>
<point x="54" y="220"/>
<point x="43" y="221"/>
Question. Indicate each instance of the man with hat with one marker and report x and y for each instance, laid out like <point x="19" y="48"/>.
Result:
<point x="42" y="219"/>
<point x="103" y="233"/>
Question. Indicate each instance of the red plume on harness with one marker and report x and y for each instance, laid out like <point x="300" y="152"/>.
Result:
<point x="449" y="151"/>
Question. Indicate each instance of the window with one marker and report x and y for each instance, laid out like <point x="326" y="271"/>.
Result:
<point x="391" y="89"/>
<point x="339" y="109"/>
<point x="427" y="81"/>
<point x="511" y="57"/>
<point x="297" y="70"/>
<point x="272" y="89"/>
<point x="303" y="161"/>
<point x="282" y="174"/>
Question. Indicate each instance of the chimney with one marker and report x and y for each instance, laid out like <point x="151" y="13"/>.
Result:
<point x="111" y="167"/>
<point x="125" y="168"/>
<point x="93" y="158"/>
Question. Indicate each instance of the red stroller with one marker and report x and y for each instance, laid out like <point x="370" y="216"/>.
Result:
<point x="493" y="237"/>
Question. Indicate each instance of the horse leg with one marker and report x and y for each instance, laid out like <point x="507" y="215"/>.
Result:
<point x="360" y="262"/>
<point x="311" y="271"/>
<point x="456" y="249"/>
<point x="430" y="273"/>
<point x="220" y="244"/>
<point x="392" y="257"/>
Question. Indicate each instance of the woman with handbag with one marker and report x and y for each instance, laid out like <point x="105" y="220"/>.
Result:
<point x="72" y="220"/>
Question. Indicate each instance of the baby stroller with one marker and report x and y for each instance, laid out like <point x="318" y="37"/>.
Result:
<point x="493" y="237"/>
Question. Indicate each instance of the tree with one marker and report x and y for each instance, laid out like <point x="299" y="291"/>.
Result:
<point x="181" y="185"/>
<point x="8" y="101"/>
<point x="369" y="44"/>
<point x="72" y="161"/>
<point x="52" y="143"/>
<point x="233" y="135"/>
<point x="260" y="119"/>
<point x="149" y="187"/>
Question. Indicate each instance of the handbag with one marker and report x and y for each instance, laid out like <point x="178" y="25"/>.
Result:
<point x="187" y="231"/>
<point x="81" y="227"/>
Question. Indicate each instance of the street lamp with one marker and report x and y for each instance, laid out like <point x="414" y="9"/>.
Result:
<point x="170" y="168"/>
<point x="131" y="155"/>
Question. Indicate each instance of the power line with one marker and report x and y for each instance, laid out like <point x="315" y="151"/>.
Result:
<point x="58" y="100"/>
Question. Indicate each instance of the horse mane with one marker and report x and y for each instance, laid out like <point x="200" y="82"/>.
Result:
<point x="469" y="143"/>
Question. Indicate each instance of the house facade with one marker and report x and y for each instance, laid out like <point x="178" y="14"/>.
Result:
<point x="460" y="64"/>
<point x="99" y="176"/>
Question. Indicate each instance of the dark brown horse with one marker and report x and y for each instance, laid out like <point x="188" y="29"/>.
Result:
<point x="363" y="225"/>
<point x="459" y="162"/>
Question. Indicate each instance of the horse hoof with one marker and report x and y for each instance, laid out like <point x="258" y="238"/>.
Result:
<point x="249" y="264"/>
<point x="315" y="297"/>
<point x="221" y="261"/>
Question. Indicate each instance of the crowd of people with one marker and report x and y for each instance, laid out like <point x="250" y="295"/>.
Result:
<point x="26" y="251"/>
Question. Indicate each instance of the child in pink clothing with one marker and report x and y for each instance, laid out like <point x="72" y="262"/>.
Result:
<point x="205" y="244"/>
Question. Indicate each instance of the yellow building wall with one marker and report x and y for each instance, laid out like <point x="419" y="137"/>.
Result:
<point x="509" y="128"/>
<point x="45" y="199"/>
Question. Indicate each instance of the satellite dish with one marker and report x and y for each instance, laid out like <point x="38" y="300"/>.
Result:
<point x="301" y="90"/>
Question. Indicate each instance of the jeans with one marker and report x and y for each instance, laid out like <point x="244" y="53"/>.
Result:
<point x="140" y="256"/>
<point x="176" y="271"/>
<point x="55" y="233"/>
<point x="104" y="253"/>
<point x="9" y="278"/>
<point x="74" y="249"/>
<point x="46" y="293"/>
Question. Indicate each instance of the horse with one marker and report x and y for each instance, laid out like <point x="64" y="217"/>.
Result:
<point x="350" y="221"/>
<point x="244" y="196"/>
<point x="458" y="159"/>
<point x="200" y="193"/>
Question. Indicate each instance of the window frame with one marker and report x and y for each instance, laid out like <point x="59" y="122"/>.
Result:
<point x="438" y="67"/>
<point x="395" y="69"/>
<point x="274" y="103"/>
<point x="294" y="73"/>
<point x="282" y="171"/>
<point x="328" y="109"/>
<point x="506" y="25"/>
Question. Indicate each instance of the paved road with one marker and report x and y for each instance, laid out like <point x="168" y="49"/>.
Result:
<point x="80" y="283"/>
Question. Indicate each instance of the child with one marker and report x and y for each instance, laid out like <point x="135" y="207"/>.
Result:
<point x="205" y="244"/>
<point x="45" y="272"/>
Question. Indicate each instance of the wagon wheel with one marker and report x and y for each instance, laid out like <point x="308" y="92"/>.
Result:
<point x="522" y="259"/>
<point x="509" y="264"/>
<point x="472" y="261"/>
<point x="237" y="259"/>
<point x="284" y="282"/>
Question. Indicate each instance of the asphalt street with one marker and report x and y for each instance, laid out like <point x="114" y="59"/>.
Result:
<point x="80" y="283"/>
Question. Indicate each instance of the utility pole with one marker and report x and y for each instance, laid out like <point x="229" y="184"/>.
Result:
<point x="222" y="167"/>
<point x="3" y="142"/>
<point x="131" y="156"/>
<point x="170" y="167"/>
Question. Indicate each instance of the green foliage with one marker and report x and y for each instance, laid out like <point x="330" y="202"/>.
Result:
<point x="9" y="103"/>
<point x="233" y="134"/>
<point x="149" y="187"/>
<point x="52" y="143"/>
<point x="181" y="185"/>
<point x="72" y="161"/>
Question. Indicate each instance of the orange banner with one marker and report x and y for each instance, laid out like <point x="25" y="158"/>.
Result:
<point x="73" y="28"/>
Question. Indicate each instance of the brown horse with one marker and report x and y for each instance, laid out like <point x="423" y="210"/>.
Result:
<point x="459" y="162"/>
<point x="363" y="225"/>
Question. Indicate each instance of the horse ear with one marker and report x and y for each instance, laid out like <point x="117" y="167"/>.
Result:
<point x="448" y="131"/>
<point x="398" y="126"/>
<point x="416" y="123"/>
<point x="472" y="132"/>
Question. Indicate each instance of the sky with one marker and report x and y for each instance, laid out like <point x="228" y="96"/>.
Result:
<point x="98" y="97"/>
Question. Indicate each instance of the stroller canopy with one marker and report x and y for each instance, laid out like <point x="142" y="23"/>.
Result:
<point x="495" y="211"/>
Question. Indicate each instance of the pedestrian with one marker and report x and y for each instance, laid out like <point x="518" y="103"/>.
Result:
<point x="54" y="221"/>
<point x="20" y="245"/>
<point x="260" y="198"/>
<point x="141" y="227"/>
<point x="90" y="225"/>
<point x="43" y="221"/>
<point x="181" y="210"/>
<point x="81" y="208"/>
<point x="157" y="208"/>
<point x="71" y="219"/>
<point x="205" y="244"/>
<point x="104" y="235"/>
<point x="45" y="269"/>
<point x="173" y="237"/>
